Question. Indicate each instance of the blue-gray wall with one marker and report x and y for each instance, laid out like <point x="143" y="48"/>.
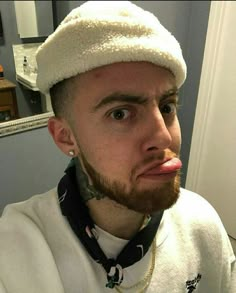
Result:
<point x="30" y="163"/>
<point x="193" y="53"/>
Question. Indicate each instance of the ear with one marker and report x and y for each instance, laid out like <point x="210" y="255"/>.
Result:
<point x="62" y="135"/>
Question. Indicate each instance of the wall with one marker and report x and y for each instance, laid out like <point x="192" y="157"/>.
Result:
<point x="194" y="51"/>
<point x="30" y="163"/>
<point x="211" y="170"/>
<point x="182" y="19"/>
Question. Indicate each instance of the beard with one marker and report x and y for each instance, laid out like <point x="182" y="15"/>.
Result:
<point x="145" y="201"/>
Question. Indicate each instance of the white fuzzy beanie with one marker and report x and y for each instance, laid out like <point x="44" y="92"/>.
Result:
<point x="99" y="33"/>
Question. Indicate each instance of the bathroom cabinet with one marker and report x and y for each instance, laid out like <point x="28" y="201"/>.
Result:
<point x="8" y="101"/>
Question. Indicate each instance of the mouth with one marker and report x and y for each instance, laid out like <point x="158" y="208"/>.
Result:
<point x="162" y="171"/>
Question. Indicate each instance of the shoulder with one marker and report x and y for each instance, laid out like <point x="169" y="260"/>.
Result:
<point x="191" y="205"/>
<point x="33" y="201"/>
<point x="195" y="219"/>
<point x="24" y="244"/>
<point x="194" y="215"/>
<point x="23" y="225"/>
<point x="27" y="214"/>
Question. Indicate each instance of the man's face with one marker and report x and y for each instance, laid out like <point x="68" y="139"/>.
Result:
<point x="125" y="124"/>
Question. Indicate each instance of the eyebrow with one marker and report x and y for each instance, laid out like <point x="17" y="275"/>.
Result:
<point x="134" y="99"/>
<point x="172" y="92"/>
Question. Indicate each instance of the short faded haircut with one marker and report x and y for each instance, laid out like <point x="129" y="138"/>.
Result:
<point x="62" y="95"/>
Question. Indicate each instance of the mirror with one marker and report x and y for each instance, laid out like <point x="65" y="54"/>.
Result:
<point x="30" y="111"/>
<point x="24" y="124"/>
<point x="31" y="16"/>
<point x="23" y="24"/>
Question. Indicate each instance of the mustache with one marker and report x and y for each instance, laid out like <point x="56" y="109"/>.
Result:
<point x="154" y="158"/>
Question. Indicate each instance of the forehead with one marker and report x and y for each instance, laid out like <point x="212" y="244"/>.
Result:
<point x="140" y="78"/>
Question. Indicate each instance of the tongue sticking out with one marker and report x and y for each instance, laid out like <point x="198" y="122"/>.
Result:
<point x="170" y="166"/>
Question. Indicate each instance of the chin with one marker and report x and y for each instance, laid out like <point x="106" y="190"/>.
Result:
<point x="150" y="200"/>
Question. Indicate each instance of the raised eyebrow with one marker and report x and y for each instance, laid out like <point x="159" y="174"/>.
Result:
<point x="172" y="92"/>
<point x="121" y="98"/>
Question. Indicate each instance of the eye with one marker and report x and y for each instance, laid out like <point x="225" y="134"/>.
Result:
<point x="120" y="114"/>
<point x="168" y="108"/>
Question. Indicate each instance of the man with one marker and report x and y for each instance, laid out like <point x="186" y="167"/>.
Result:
<point x="118" y="220"/>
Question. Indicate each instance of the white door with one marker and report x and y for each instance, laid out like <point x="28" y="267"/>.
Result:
<point x="212" y="163"/>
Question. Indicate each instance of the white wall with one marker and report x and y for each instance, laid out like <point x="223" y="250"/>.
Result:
<point x="212" y="162"/>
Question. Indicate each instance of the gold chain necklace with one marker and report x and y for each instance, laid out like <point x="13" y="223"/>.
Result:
<point x="146" y="280"/>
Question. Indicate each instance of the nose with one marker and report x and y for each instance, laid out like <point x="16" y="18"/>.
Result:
<point x="157" y="135"/>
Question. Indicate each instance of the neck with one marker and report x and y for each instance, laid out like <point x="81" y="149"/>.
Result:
<point x="110" y="216"/>
<point x="115" y="218"/>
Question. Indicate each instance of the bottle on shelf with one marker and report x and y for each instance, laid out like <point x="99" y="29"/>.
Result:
<point x="26" y="68"/>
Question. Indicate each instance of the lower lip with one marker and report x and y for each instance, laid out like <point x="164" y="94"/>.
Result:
<point x="165" y="171"/>
<point x="164" y="176"/>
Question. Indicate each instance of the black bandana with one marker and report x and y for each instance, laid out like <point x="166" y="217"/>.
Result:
<point x="77" y="214"/>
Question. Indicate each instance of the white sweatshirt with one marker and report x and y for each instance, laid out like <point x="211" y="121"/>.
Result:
<point x="39" y="253"/>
